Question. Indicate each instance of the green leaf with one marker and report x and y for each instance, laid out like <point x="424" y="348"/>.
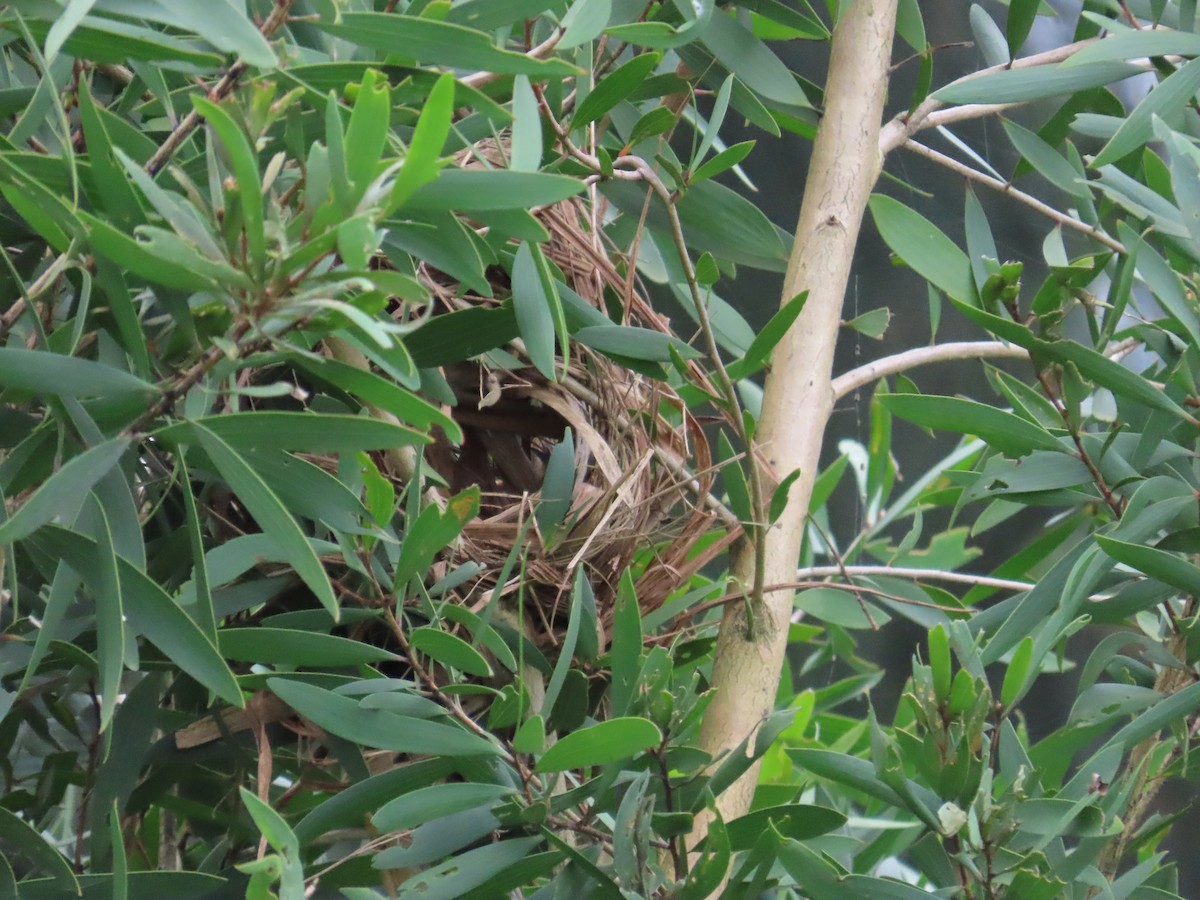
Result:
<point x="25" y="840"/>
<point x="1135" y="44"/>
<point x="116" y="195"/>
<point x="487" y="15"/>
<point x="439" y="43"/>
<point x="779" y="496"/>
<point x="1170" y="710"/>
<point x="1165" y="567"/>
<point x="275" y="830"/>
<point x="614" y="88"/>
<point x="797" y="821"/>
<point x="768" y="337"/>
<point x="752" y="61"/>
<point x="659" y="120"/>
<point x="350" y="806"/>
<point x="923" y="247"/>
<point x="584" y="21"/>
<point x="558" y="487"/>
<point x="225" y="26"/>
<point x="64" y="24"/>
<point x="366" y="135"/>
<point x="425" y="804"/>
<point x="152" y="613"/>
<point x="1016" y="677"/>
<point x="1006" y="432"/>
<point x="463" y="872"/>
<point x="422" y="162"/>
<point x="450" y="650"/>
<point x="462" y="334"/>
<point x="1167" y="101"/>
<point x="715" y="120"/>
<point x="726" y="159"/>
<point x="525" y="154"/>
<point x="597" y="745"/>
<point x="633" y="342"/>
<point x="988" y="37"/>
<point x="838" y="607"/>
<point x="939" y="662"/>
<point x="1104" y="371"/>
<point x="872" y="323"/>
<point x="105" y="582"/>
<point x="61" y="495"/>
<point x="285" y="646"/>
<point x="1034" y="83"/>
<point x="300" y="432"/>
<point x="378" y="728"/>
<point x="65" y="376"/>
<point x="1021" y="14"/>
<point x="534" y="309"/>
<point x="161" y="257"/>
<point x="433" y="530"/>
<point x="382" y="394"/>
<point x="270" y="824"/>
<point x="488" y="189"/>
<point x="245" y="170"/>
<point x="1049" y="164"/>
<point x="271" y="515"/>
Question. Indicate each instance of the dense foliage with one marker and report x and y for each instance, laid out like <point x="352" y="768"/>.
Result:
<point x="299" y="600"/>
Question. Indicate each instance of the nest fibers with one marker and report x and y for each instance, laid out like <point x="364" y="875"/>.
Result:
<point x="636" y="448"/>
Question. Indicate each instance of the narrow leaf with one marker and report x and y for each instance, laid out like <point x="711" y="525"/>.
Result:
<point x="270" y="513"/>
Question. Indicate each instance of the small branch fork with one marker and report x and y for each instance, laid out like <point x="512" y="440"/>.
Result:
<point x="932" y="113"/>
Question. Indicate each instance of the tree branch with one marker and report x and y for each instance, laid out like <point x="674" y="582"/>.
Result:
<point x="219" y="91"/>
<point x="1006" y="187"/>
<point x="798" y="396"/>
<point x="1003" y="584"/>
<point x="905" y="125"/>
<point x="923" y="356"/>
<point x="541" y="51"/>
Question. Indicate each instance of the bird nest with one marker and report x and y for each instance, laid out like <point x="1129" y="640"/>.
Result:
<point x="642" y="465"/>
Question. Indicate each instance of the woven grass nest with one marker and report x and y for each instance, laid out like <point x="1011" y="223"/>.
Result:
<point x="635" y="443"/>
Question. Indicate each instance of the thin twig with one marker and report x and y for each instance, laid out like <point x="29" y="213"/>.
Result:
<point x="1006" y="187"/>
<point x="218" y="92"/>
<point x="1004" y="584"/>
<point x="541" y="51"/>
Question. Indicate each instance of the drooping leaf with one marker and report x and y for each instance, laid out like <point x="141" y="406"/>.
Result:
<point x="269" y="512"/>
<point x="923" y="247"/>
<point x="378" y="728"/>
<point x="441" y="43"/>
<point x="614" y="88"/>
<point x="296" y="648"/>
<point x="433" y="802"/>
<point x="59" y="498"/>
<point x="493" y="189"/>
<point x="1003" y="430"/>
<point x="1167" y="101"/>
<point x="153" y="613"/>
<point x="296" y="432"/>
<point x="599" y="744"/>
<point x="1034" y="83"/>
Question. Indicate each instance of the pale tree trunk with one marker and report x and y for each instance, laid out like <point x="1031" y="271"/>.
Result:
<point x="798" y="396"/>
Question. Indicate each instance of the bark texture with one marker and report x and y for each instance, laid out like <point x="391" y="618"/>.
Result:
<point x="799" y="395"/>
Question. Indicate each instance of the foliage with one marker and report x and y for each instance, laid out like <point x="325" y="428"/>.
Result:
<point x="237" y="658"/>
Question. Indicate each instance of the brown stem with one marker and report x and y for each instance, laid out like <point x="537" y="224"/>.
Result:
<point x="1006" y="187"/>
<point x="1146" y="784"/>
<point x="218" y="92"/>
